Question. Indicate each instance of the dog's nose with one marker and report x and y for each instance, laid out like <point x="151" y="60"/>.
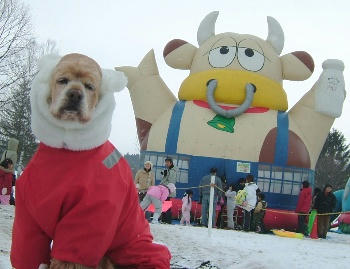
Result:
<point x="74" y="95"/>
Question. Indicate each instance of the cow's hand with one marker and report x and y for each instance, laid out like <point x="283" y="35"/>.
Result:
<point x="330" y="89"/>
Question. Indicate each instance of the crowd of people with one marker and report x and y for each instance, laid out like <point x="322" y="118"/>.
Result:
<point x="244" y="199"/>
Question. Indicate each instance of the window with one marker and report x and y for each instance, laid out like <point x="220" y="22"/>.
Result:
<point x="285" y="180"/>
<point x="275" y="186"/>
<point x="158" y="161"/>
<point x="263" y="184"/>
<point x="287" y="187"/>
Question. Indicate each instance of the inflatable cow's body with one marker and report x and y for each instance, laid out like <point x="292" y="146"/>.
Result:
<point x="231" y="111"/>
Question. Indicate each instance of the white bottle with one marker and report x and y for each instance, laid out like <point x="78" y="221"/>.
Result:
<point x="330" y="89"/>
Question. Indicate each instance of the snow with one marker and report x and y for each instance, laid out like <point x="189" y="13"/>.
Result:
<point x="190" y="246"/>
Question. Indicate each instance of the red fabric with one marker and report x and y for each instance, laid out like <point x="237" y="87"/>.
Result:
<point x="249" y="110"/>
<point x="88" y="210"/>
<point x="5" y="182"/>
<point x="165" y="206"/>
<point x="304" y="201"/>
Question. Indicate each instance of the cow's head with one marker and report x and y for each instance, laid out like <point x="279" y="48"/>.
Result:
<point x="235" y="62"/>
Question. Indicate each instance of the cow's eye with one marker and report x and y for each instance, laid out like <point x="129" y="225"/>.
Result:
<point x="250" y="59"/>
<point x="222" y="56"/>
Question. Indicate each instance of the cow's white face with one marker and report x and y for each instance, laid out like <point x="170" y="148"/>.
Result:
<point x="238" y="52"/>
<point x="235" y="61"/>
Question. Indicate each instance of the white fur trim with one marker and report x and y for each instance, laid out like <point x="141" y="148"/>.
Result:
<point x="72" y="135"/>
<point x="113" y="81"/>
<point x="43" y="266"/>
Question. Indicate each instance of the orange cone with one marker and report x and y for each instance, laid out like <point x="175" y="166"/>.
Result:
<point x="313" y="234"/>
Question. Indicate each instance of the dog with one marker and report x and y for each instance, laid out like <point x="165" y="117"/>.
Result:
<point x="76" y="203"/>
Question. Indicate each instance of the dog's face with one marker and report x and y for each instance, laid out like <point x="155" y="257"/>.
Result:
<point x="75" y="88"/>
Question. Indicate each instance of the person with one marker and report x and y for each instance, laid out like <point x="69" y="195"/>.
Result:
<point x="324" y="203"/>
<point x="144" y="179"/>
<point x="316" y="192"/>
<point x="259" y="214"/>
<point x="230" y="205"/>
<point x="248" y="205"/>
<point x="169" y="174"/>
<point x="5" y="181"/>
<point x="218" y="210"/>
<point x="241" y="184"/>
<point x="186" y="208"/>
<point x="204" y="195"/>
<point x="156" y="195"/>
<point x="303" y="207"/>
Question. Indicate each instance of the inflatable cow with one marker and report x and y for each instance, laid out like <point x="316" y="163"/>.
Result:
<point x="232" y="110"/>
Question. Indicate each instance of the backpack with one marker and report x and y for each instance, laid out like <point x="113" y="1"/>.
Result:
<point x="241" y="196"/>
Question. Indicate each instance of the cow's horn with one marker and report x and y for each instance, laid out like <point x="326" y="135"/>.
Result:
<point x="276" y="35"/>
<point x="207" y="27"/>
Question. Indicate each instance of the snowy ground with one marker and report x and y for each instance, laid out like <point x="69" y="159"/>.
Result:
<point x="190" y="246"/>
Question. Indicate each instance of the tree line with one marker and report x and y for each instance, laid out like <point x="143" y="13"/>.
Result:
<point x="19" y="56"/>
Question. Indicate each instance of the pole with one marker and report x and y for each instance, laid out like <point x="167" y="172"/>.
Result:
<point x="211" y="200"/>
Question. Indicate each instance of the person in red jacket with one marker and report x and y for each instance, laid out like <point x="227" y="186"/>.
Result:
<point x="6" y="167"/>
<point x="303" y="207"/>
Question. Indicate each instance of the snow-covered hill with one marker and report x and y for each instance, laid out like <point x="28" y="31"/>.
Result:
<point x="190" y="246"/>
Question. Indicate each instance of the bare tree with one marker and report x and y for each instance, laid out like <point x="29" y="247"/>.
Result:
<point x="15" y="36"/>
<point x="15" y="116"/>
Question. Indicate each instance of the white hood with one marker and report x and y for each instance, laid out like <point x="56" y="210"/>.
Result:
<point x="72" y="135"/>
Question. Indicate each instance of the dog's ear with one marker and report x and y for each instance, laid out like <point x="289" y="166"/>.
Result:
<point x="113" y="81"/>
<point x="49" y="61"/>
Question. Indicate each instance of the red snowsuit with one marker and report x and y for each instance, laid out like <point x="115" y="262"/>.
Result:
<point x="86" y="202"/>
<point x="304" y="201"/>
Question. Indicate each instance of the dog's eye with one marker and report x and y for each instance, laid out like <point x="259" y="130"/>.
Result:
<point x="89" y="86"/>
<point x="62" y="80"/>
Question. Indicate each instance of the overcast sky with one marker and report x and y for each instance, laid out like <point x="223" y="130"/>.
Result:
<point x="117" y="33"/>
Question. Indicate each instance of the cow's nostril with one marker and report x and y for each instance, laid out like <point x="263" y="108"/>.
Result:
<point x="254" y="87"/>
<point x="209" y="81"/>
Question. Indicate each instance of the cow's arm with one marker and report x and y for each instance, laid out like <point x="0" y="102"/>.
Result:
<point x="150" y="96"/>
<point x="316" y="111"/>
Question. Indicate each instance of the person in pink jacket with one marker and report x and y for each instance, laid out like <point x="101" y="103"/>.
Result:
<point x="186" y="208"/>
<point x="156" y="195"/>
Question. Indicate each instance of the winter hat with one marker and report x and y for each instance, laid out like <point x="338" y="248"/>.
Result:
<point x="72" y="135"/>
<point x="148" y="162"/>
<point x="171" y="187"/>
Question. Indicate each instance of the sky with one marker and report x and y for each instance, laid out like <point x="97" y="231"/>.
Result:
<point x="119" y="33"/>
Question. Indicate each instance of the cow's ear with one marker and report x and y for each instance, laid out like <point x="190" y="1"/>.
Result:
<point x="297" y="65"/>
<point x="179" y="54"/>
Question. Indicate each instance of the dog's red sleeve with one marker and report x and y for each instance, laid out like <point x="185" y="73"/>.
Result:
<point x="132" y="246"/>
<point x="30" y="245"/>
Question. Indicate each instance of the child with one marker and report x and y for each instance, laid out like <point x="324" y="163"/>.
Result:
<point x="259" y="213"/>
<point x="156" y="195"/>
<point x="186" y="208"/>
<point x="231" y="204"/>
<point x="5" y="181"/>
<point x="218" y="208"/>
